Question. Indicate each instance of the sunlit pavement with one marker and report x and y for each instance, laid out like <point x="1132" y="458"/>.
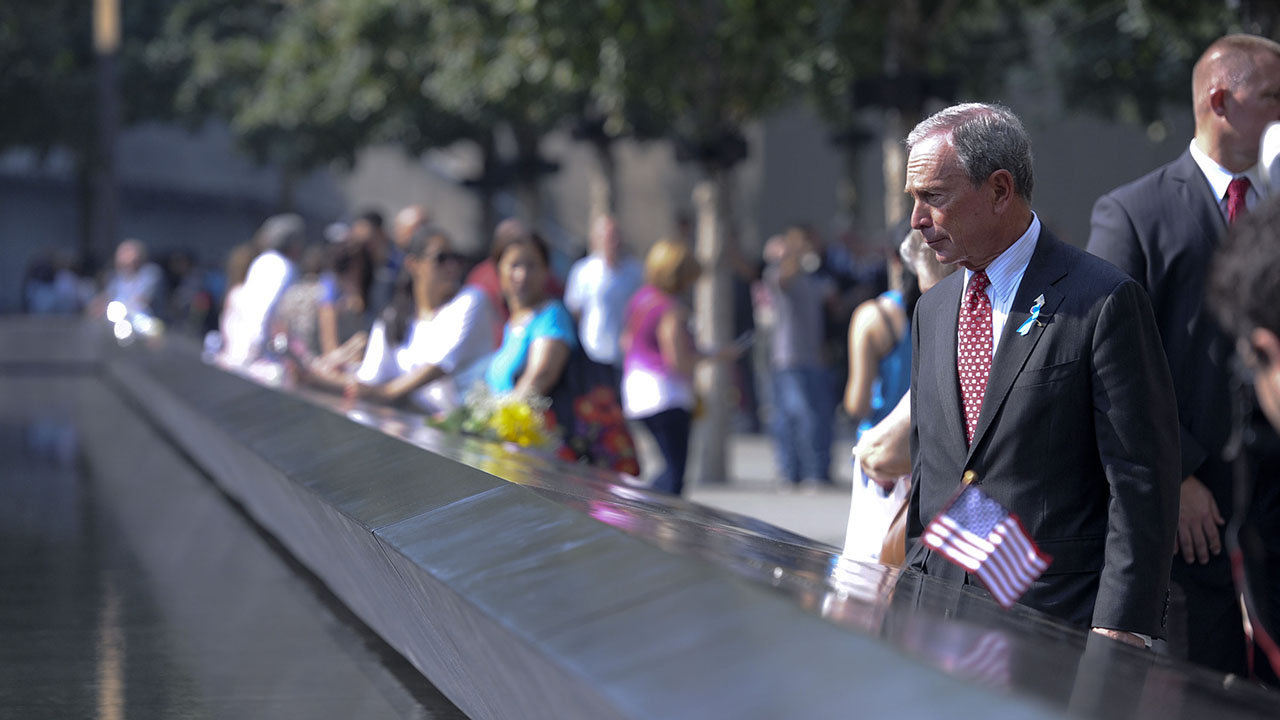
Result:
<point x="817" y="512"/>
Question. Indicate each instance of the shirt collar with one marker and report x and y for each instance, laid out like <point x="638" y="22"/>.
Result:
<point x="1219" y="177"/>
<point x="1005" y="272"/>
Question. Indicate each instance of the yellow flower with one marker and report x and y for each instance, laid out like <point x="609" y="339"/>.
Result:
<point x="513" y="420"/>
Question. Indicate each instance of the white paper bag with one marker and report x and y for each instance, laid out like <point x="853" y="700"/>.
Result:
<point x="871" y="510"/>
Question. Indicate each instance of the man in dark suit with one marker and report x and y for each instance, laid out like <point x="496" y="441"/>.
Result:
<point x="1162" y="230"/>
<point x="1064" y="411"/>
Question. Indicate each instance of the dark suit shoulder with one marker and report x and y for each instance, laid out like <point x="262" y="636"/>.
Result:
<point x="1143" y="188"/>
<point x="1092" y="272"/>
<point x="948" y="286"/>
<point x="1153" y="188"/>
<point x="940" y="304"/>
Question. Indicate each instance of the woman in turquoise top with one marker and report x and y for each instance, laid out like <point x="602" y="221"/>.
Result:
<point x="880" y="348"/>
<point x="539" y="336"/>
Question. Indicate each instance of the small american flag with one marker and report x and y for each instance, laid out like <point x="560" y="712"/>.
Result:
<point x="976" y="533"/>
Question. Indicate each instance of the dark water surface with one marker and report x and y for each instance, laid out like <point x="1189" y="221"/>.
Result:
<point x="130" y="588"/>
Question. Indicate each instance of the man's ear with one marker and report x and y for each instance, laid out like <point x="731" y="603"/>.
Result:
<point x="1267" y="345"/>
<point x="1218" y="101"/>
<point x="1002" y="189"/>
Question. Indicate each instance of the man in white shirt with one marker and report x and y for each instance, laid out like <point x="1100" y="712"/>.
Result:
<point x="135" y="283"/>
<point x="1162" y="230"/>
<point x="598" y="289"/>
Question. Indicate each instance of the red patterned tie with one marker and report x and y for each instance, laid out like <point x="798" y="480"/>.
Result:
<point x="973" y="358"/>
<point x="1236" y="191"/>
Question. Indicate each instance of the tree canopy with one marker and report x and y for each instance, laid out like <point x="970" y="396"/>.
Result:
<point x="49" y="84"/>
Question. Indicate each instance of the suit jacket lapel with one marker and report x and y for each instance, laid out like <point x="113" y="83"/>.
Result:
<point x="948" y="377"/>
<point x="1197" y="197"/>
<point x="1045" y="268"/>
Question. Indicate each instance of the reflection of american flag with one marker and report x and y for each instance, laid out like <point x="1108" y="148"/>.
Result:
<point x="963" y="650"/>
<point x="976" y="533"/>
<point x="987" y="661"/>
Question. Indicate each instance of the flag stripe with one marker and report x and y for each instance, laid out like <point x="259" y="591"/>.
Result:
<point x="997" y="572"/>
<point x="1025" y="537"/>
<point x="1009" y="557"/>
<point x="1014" y="575"/>
<point x="944" y="540"/>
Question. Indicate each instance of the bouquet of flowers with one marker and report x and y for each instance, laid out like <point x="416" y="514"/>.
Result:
<point x="503" y="417"/>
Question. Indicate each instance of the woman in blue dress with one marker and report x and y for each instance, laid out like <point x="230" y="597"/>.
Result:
<point x="880" y="349"/>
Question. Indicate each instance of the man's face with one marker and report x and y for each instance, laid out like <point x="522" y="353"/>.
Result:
<point x="1255" y="102"/>
<point x="956" y="218"/>
<point x="128" y="258"/>
<point x="362" y="231"/>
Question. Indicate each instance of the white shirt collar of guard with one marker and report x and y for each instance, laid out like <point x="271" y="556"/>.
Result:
<point x="1219" y="178"/>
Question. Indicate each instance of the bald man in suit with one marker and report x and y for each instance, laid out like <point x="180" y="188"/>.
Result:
<point x="1162" y="230"/>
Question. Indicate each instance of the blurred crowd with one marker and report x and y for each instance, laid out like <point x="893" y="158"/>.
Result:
<point x="392" y="312"/>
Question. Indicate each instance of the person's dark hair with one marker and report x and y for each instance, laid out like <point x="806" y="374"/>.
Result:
<point x="1244" y="279"/>
<point x="532" y="240"/>
<point x="371" y="216"/>
<point x="315" y="260"/>
<point x="986" y="138"/>
<point x="402" y="308"/>
<point x="354" y="261"/>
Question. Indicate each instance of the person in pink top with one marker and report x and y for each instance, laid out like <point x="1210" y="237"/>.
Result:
<point x="659" y="358"/>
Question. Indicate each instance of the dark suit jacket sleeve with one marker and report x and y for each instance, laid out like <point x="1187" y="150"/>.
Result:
<point x="915" y="526"/>
<point x="1137" y="437"/>
<point x="1114" y="239"/>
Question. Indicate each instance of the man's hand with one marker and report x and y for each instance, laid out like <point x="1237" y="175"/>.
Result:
<point x="884" y="451"/>
<point x="1127" y="638"/>
<point x="1198" y="521"/>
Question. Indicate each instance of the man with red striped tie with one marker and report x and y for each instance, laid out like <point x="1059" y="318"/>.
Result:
<point x="1039" y="368"/>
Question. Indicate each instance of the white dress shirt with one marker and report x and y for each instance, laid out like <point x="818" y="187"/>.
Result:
<point x="598" y="294"/>
<point x="457" y="338"/>
<point x="1219" y="178"/>
<point x="1005" y="274"/>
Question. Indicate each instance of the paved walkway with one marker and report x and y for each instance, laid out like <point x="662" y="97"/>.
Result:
<point x="818" y="513"/>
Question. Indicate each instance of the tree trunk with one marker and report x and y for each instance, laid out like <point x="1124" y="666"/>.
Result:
<point x="849" y="200"/>
<point x="902" y="55"/>
<point x="287" y="200"/>
<point x="603" y="183"/>
<point x="85" y="211"/>
<point x="106" y="192"/>
<point x="487" y="216"/>
<point x="713" y="316"/>
<point x="897" y="124"/>
<point x="528" y="192"/>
